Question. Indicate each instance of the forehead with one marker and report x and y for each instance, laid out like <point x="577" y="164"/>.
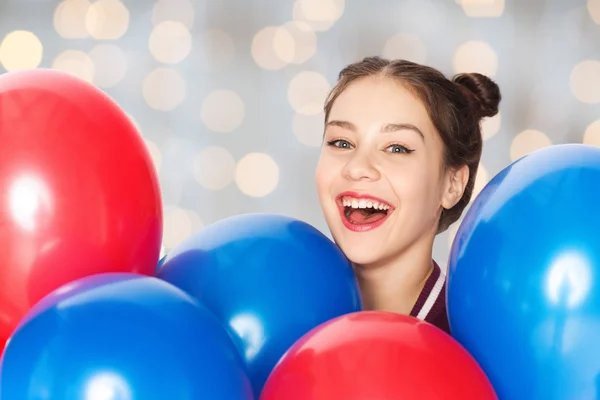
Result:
<point x="380" y="100"/>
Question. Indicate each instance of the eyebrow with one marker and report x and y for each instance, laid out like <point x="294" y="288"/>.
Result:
<point x="387" y="128"/>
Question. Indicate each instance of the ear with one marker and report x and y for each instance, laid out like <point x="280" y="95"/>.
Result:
<point x="456" y="182"/>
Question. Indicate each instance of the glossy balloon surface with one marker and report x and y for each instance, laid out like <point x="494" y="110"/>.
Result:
<point x="524" y="276"/>
<point x="122" y="336"/>
<point x="79" y="193"/>
<point x="377" y="355"/>
<point x="269" y="278"/>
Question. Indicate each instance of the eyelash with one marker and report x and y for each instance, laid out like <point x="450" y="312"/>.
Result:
<point x="332" y="143"/>
<point x="403" y="149"/>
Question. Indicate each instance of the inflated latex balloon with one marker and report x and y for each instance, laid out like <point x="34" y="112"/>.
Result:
<point x="269" y="278"/>
<point x="79" y="194"/>
<point x="121" y="336"/>
<point x="524" y="276"/>
<point x="377" y="355"/>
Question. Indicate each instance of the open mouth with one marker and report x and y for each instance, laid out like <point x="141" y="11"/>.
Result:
<point x="360" y="213"/>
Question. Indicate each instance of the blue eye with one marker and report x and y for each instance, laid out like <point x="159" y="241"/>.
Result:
<point x="398" y="148"/>
<point x="339" y="143"/>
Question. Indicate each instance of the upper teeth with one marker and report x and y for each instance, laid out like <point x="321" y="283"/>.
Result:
<point x="363" y="203"/>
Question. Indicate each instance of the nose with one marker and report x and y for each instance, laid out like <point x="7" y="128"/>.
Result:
<point x="360" y="168"/>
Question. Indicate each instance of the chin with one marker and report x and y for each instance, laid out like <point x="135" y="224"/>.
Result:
<point x="358" y="252"/>
<point x="363" y="260"/>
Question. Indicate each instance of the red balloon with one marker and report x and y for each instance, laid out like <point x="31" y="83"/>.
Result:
<point x="377" y="355"/>
<point x="79" y="193"/>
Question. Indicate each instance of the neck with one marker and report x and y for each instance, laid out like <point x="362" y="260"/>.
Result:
<point x="394" y="285"/>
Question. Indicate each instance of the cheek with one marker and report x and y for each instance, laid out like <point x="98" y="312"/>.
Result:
<point x="417" y="185"/>
<point x="326" y="173"/>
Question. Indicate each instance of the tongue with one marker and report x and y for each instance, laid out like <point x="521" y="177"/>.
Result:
<point x="364" y="216"/>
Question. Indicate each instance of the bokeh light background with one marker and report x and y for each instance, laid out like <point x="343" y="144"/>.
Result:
<point x="228" y="94"/>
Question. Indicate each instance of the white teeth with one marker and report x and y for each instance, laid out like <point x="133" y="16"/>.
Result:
<point x="363" y="203"/>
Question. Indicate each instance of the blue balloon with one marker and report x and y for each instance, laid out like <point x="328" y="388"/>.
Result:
<point x="524" y="276"/>
<point x="268" y="277"/>
<point x="121" y="336"/>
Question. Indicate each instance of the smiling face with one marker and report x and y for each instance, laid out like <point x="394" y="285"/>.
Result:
<point x="380" y="178"/>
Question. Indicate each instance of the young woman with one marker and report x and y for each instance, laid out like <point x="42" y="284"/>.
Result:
<point x="400" y="153"/>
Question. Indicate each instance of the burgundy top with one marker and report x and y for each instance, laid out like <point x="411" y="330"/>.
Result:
<point x="431" y="304"/>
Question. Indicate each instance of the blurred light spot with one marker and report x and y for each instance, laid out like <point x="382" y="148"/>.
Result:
<point x="250" y="330"/>
<point x="592" y="134"/>
<point x="76" y="63"/>
<point x="321" y="15"/>
<point x="490" y="126"/>
<point x="163" y="251"/>
<point x="295" y="42"/>
<point x="21" y="50"/>
<point x="28" y="197"/>
<point x="107" y="19"/>
<point x="174" y="10"/>
<point x="481" y="179"/>
<point x="223" y="111"/>
<point x="526" y="142"/>
<point x="322" y="10"/>
<point x="257" y="174"/>
<point x="593" y="7"/>
<point x="585" y="81"/>
<point x="263" y="47"/>
<point x="308" y="129"/>
<point x="170" y="42"/>
<point x="107" y="386"/>
<point x="569" y="280"/>
<point x="163" y="89"/>
<point x="475" y="56"/>
<point x="69" y="19"/>
<point x="197" y="223"/>
<point x="307" y="91"/>
<point x="483" y="8"/>
<point x="406" y="47"/>
<point x="154" y="153"/>
<point x="110" y="65"/>
<point x="177" y="226"/>
<point x="214" y="168"/>
<point x="218" y="49"/>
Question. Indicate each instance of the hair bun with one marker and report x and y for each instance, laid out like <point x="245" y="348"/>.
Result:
<point x="483" y="93"/>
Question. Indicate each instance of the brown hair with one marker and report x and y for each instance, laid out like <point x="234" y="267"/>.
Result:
<point x="455" y="107"/>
